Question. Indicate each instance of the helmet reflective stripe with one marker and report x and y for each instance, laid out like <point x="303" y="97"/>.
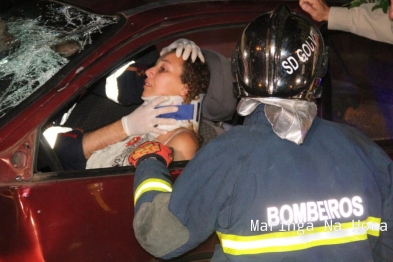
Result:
<point x="293" y="240"/>
<point x="152" y="184"/>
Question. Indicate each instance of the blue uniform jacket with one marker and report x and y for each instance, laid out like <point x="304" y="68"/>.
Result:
<point x="268" y="199"/>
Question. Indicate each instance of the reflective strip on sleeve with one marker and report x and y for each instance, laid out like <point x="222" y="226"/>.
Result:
<point x="111" y="88"/>
<point x="295" y="240"/>
<point x="152" y="184"/>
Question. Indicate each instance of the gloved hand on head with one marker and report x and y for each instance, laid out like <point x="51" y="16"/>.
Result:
<point x="144" y="119"/>
<point x="188" y="46"/>
<point x="151" y="149"/>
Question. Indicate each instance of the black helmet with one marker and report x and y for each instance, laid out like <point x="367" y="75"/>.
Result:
<point x="280" y="54"/>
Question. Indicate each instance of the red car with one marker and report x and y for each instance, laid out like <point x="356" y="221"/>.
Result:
<point x="48" y="214"/>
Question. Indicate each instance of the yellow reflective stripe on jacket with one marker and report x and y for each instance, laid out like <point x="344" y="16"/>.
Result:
<point x="152" y="184"/>
<point x="373" y="225"/>
<point x="295" y="240"/>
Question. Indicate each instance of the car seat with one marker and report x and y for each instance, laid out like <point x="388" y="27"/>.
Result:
<point x="219" y="103"/>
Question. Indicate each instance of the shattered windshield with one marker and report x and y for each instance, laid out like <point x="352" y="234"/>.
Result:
<point x="32" y="50"/>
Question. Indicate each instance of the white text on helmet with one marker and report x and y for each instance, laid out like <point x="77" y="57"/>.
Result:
<point x="303" y="53"/>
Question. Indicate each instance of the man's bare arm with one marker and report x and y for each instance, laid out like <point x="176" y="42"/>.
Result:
<point x="103" y="137"/>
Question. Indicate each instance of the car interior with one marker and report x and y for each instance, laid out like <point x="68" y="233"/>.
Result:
<point x="92" y="109"/>
<point x="348" y="96"/>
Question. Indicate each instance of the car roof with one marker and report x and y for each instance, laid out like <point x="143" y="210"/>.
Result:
<point x="119" y="6"/>
<point x="106" y="6"/>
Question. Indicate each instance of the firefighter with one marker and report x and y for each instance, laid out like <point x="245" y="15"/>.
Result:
<point x="285" y="186"/>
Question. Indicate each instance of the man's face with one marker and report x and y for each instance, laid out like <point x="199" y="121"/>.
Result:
<point x="163" y="79"/>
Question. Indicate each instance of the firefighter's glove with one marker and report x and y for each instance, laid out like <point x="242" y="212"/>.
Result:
<point x="143" y="119"/>
<point x="151" y="149"/>
<point x="188" y="46"/>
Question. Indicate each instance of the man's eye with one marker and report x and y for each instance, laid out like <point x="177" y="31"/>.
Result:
<point x="162" y="69"/>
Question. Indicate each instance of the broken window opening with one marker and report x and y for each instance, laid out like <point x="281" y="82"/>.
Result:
<point x="38" y="48"/>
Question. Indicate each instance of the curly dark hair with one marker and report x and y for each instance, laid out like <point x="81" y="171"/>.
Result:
<point x="197" y="76"/>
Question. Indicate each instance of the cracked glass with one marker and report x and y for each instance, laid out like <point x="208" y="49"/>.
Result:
<point x="34" y="49"/>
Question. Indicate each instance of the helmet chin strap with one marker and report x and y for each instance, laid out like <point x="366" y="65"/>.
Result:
<point x="290" y="119"/>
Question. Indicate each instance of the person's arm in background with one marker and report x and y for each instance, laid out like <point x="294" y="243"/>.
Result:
<point x="362" y="21"/>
